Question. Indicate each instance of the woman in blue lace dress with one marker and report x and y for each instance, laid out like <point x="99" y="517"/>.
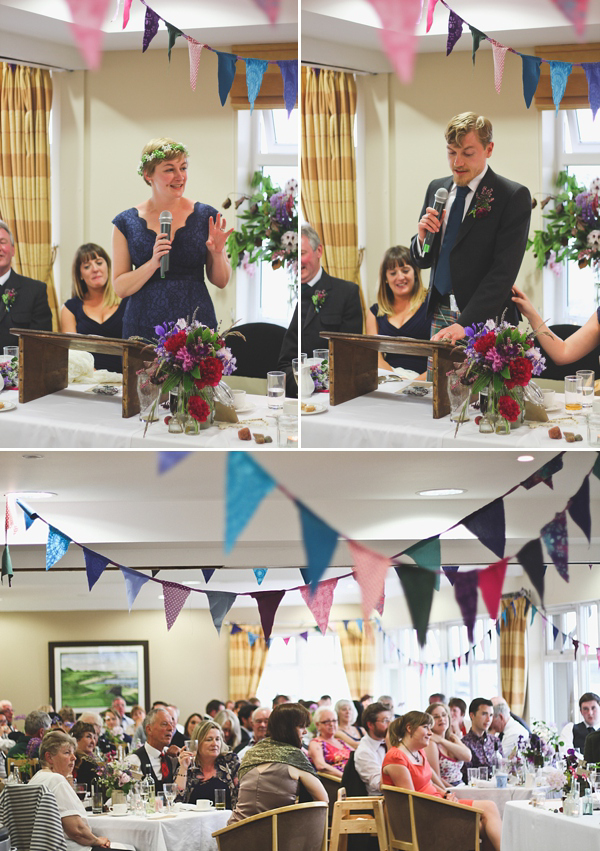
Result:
<point x="198" y="236"/>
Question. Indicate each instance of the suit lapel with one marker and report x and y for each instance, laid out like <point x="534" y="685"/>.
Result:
<point x="13" y="282"/>
<point x="322" y="284"/>
<point x="468" y="221"/>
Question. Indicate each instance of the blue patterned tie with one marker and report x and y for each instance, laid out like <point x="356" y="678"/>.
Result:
<point x="443" y="280"/>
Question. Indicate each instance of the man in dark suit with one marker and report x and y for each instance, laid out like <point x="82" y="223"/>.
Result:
<point x="23" y="301"/>
<point x="480" y="237"/>
<point x="151" y="758"/>
<point x="575" y="735"/>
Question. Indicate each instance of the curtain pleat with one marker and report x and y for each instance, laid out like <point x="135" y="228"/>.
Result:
<point x="246" y="662"/>
<point x="513" y="654"/>
<point x="358" y="653"/>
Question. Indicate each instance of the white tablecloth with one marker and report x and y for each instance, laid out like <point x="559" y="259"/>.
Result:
<point x="73" y="418"/>
<point x="383" y="419"/>
<point x="183" y="832"/>
<point x="527" y="828"/>
<point x="501" y="797"/>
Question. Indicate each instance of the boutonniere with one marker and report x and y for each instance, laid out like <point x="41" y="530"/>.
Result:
<point x="9" y="298"/>
<point x="318" y="299"/>
<point x="483" y="203"/>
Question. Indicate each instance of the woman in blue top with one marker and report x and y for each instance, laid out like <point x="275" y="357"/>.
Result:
<point x="197" y="240"/>
<point x="400" y="310"/>
<point x="94" y="307"/>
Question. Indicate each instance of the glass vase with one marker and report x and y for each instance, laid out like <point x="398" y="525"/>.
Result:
<point x="458" y="396"/>
<point x="501" y="424"/>
<point x="186" y="422"/>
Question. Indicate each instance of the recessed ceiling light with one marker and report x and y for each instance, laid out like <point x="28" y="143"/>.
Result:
<point x="31" y="494"/>
<point x="31" y="456"/>
<point x="525" y="458"/>
<point x="441" y="492"/>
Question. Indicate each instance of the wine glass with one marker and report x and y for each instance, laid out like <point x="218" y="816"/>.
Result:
<point x="170" y="790"/>
<point x="295" y="365"/>
<point x="81" y="790"/>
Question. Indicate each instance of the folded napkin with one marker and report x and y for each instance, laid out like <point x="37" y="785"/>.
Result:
<point x="485" y="784"/>
<point x="180" y="807"/>
<point x="81" y="370"/>
<point x="160" y="814"/>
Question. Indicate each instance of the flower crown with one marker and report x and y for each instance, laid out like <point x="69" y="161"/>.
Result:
<point x="160" y="154"/>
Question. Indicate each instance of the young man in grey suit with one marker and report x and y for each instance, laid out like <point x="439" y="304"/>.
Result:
<point x="26" y="301"/>
<point x="477" y="250"/>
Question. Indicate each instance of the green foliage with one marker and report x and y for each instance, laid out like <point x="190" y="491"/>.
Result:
<point x="565" y="232"/>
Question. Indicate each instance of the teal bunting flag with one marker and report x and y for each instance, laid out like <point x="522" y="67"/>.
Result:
<point x="596" y="467"/>
<point x="133" y="583"/>
<point x="30" y="515"/>
<point x="174" y="34"/>
<point x="427" y="554"/>
<point x="533" y="613"/>
<point x="95" y="564"/>
<point x="531" y="77"/>
<point x="252" y="638"/>
<point x="559" y="74"/>
<point x="247" y="485"/>
<point x="219" y="603"/>
<point x="359" y="623"/>
<point x="225" y="74"/>
<point x="255" y="71"/>
<point x="56" y="547"/>
<point x="418" y="586"/>
<point x="7" y="568"/>
<point x="260" y="573"/>
<point x="166" y="460"/>
<point x="478" y="37"/>
<point x="320" y="541"/>
<point x="289" y="73"/>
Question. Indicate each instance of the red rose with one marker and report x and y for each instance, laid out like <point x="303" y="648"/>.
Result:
<point x="485" y="343"/>
<point x="521" y="370"/>
<point x="174" y="343"/>
<point x="212" y="371"/>
<point x="198" y="408"/>
<point x="509" y="409"/>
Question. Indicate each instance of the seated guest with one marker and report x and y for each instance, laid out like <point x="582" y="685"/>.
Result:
<point x="212" y="708"/>
<point x="94" y="307"/>
<point x="517" y="718"/>
<point x="388" y="701"/>
<point x="190" y="725"/>
<point x="102" y="743"/>
<point x="485" y="749"/>
<point x="574" y="735"/>
<point x="57" y="756"/>
<point x="28" y="744"/>
<point x="113" y="729"/>
<point x="437" y="697"/>
<point x="346" y="731"/>
<point x="508" y="730"/>
<point x="86" y="763"/>
<point x="260" y="719"/>
<point x="230" y="725"/>
<point x="271" y="771"/>
<point x="244" y="714"/>
<point x="457" y="708"/>
<point x="400" y="310"/>
<point x="178" y="740"/>
<point x="405" y="765"/>
<point x="445" y="751"/>
<point x="138" y="713"/>
<point x="67" y="717"/>
<point x="214" y="767"/>
<point x="328" y="753"/>
<point x="369" y="754"/>
<point x="280" y="698"/>
<point x="120" y="707"/>
<point x="151" y="758"/>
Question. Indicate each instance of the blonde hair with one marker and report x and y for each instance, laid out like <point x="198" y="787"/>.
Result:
<point x="446" y="709"/>
<point x="398" y="255"/>
<point x="85" y="253"/>
<point x="202" y="730"/>
<point x="53" y="742"/>
<point x="227" y="715"/>
<point x="460" y="125"/>
<point x="148" y="168"/>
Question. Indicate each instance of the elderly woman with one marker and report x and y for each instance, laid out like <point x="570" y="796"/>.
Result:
<point x="86" y="763"/>
<point x="326" y="752"/>
<point x="215" y="767"/>
<point x="406" y="765"/>
<point x="230" y="724"/>
<point x="272" y="769"/>
<point x="57" y="757"/>
<point x="113" y="730"/>
<point x="445" y="751"/>
<point x="346" y="729"/>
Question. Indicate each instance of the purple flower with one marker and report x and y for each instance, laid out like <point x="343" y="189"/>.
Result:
<point x="585" y="200"/>
<point x="495" y="360"/>
<point x="278" y="202"/>
<point x="228" y="360"/>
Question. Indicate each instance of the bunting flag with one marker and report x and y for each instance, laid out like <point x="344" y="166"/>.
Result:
<point x="554" y="536"/>
<point x="260" y="573"/>
<point x="247" y="485"/>
<point x="430" y="8"/>
<point x="531" y="558"/>
<point x="427" y="554"/>
<point x="418" y="586"/>
<point x="155" y="571"/>
<point x="9" y="520"/>
<point x="235" y="628"/>
<point x="320" y="602"/>
<point x="56" y="547"/>
<point x="133" y="582"/>
<point x="320" y="541"/>
<point x="252" y="638"/>
<point x="225" y="73"/>
<point x="268" y="602"/>
<point x="219" y="603"/>
<point x="559" y="74"/>
<point x="575" y="12"/>
<point x="478" y="37"/>
<point x="289" y="74"/>
<point x="7" y="568"/>
<point x="592" y="73"/>
<point x="166" y="460"/>
<point x="489" y="526"/>
<point x="545" y="473"/>
<point x="450" y="571"/>
<point x="465" y="591"/>
<point x="29" y="515"/>
<point x="595" y="468"/>
<point x="455" y="25"/>
<point x="174" y="34"/>
<point x="491" y="581"/>
<point x="95" y="565"/>
<point x="195" y="51"/>
<point x="255" y="71"/>
<point x="379" y="605"/>
<point x="370" y="570"/>
<point x="116" y="15"/>
<point x="207" y="572"/>
<point x="531" y="76"/>
<point x="270" y="8"/>
<point x="398" y="37"/>
<point x="150" y="28"/>
<point x="304" y="635"/>
<point x="575" y="647"/>
<point x="88" y="17"/>
<point x="499" y="52"/>
<point x="579" y="509"/>
<point x="126" y="12"/>
<point x="175" y="597"/>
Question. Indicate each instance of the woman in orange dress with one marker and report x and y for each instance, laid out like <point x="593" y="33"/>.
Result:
<point x="405" y="765"/>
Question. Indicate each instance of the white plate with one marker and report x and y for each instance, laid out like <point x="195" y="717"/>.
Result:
<point x="554" y="408"/>
<point x="319" y="409"/>
<point x="8" y="406"/>
<point x="244" y="410"/>
<point x="118" y="815"/>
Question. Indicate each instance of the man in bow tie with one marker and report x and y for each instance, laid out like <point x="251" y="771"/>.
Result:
<point x="151" y="758"/>
<point x="23" y="301"/>
<point x="479" y="238"/>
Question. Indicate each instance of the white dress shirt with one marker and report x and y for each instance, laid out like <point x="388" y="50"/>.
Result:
<point x="368" y="759"/>
<point x="316" y="278"/>
<point x="4" y="278"/>
<point x="510" y="736"/>
<point x="473" y="186"/>
<point x="566" y="736"/>
<point x="134" y="761"/>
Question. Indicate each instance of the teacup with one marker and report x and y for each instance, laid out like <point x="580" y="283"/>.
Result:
<point x="239" y="399"/>
<point x="203" y="804"/>
<point x="549" y="398"/>
<point x="119" y="809"/>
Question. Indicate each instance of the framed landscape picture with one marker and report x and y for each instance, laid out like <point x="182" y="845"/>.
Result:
<point x="88" y="675"/>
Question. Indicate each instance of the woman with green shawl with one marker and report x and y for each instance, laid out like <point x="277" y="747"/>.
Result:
<point x="272" y="769"/>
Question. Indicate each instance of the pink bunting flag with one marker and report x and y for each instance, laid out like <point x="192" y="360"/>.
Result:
<point x="88" y="17"/>
<point x="399" y="21"/>
<point x="126" y="11"/>
<point x="286" y="640"/>
<point x="499" y="56"/>
<point x="270" y="8"/>
<point x="370" y="570"/>
<point x="9" y="521"/>
<point x="430" y="8"/>
<point x="194" y="50"/>
<point x="175" y="597"/>
<point x="320" y="602"/>
<point x="490" y="584"/>
<point x="575" y="11"/>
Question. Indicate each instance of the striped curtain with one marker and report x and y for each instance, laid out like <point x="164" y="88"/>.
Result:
<point x="329" y="167"/>
<point x="246" y="662"/>
<point x="358" y="653"/>
<point x="25" y="101"/>
<point x="513" y="654"/>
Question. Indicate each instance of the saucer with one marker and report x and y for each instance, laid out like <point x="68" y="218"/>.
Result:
<point x="8" y="406"/>
<point x="246" y="409"/>
<point x="319" y="409"/>
<point x="553" y="408"/>
<point x="118" y="815"/>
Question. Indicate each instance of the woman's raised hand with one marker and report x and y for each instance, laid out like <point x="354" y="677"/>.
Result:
<point x="162" y="246"/>
<point x="185" y="758"/>
<point x="523" y="303"/>
<point x="217" y="235"/>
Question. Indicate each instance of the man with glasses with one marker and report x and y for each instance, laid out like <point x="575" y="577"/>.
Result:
<point x="368" y="756"/>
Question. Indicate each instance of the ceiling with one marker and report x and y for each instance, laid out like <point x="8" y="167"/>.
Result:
<point x="117" y="504"/>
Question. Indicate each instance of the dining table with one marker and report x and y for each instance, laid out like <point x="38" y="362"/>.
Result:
<point x="529" y="828"/>
<point x="180" y="831"/>
<point x="76" y="418"/>
<point x="500" y="797"/>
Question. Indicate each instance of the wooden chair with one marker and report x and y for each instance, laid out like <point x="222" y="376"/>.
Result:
<point x="21" y="762"/>
<point x="357" y="816"/>
<point x="301" y="827"/>
<point x="332" y="787"/>
<point x="418" y="822"/>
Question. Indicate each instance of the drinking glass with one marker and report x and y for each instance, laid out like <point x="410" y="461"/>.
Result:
<point x="322" y="354"/>
<point x="303" y="356"/>
<point x="573" y="393"/>
<point x="287" y="432"/>
<point x="11" y="351"/>
<point x="80" y="790"/>
<point x="160" y="801"/>
<point x="148" y="394"/>
<point x="483" y="772"/>
<point x="275" y="390"/>
<point x="295" y="363"/>
<point x="191" y="745"/>
<point x="96" y="801"/>
<point x="472" y="776"/>
<point x="587" y="386"/>
<point x="219" y="799"/>
<point x="170" y="790"/>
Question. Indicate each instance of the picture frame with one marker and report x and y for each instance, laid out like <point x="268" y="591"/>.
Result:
<point x="88" y="675"/>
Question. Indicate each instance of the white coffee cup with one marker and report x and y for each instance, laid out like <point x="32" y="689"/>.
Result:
<point x="239" y="399"/>
<point x="549" y="398"/>
<point x="290" y="408"/>
<point x="119" y="809"/>
<point x="203" y="804"/>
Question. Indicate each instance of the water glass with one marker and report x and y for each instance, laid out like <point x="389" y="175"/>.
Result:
<point x="148" y="394"/>
<point x="587" y="386"/>
<point x="191" y="745"/>
<point x="483" y="772"/>
<point x="573" y="393"/>
<point x="295" y="364"/>
<point x="275" y="390"/>
<point x="160" y="802"/>
<point x="96" y="801"/>
<point x="472" y="776"/>
<point x="11" y="351"/>
<point x="321" y="354"/>
<point x="170" y="791"/>
<point x="287" y="432"/>
<point x="219" y="799"/>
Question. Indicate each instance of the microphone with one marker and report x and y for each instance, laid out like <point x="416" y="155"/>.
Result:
<point x="165" y="220"/>
<point x="441" y="196"/>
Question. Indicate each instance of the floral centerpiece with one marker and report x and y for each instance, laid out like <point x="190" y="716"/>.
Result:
<point x="10" y="373"/>
<point x="115" y="776"/>
<point x="268" y="229"/>
<point x="543" y="744"/>
<point x="319" y="373"/>
<point x="502" y="359"/>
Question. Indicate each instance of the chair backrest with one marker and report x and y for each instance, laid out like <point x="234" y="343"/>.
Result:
<point x="589" y="361"/>
<point x="259" y="352"/>
<point x="418" y="822"/>
<point x="27" y="767"/>
<point x="332" y="787"/>
<point x="302" y="827"/>
<point x="351" y="779"/>
<point x="30" y="813"/>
